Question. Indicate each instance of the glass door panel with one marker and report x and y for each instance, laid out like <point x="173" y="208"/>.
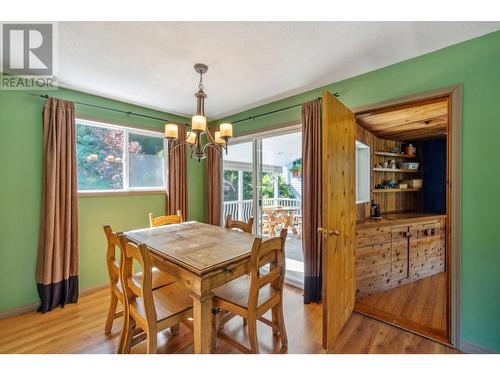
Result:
<point x="280" y="193"/>
<point x="262" y="177"/>
<point x="237" y="182"/>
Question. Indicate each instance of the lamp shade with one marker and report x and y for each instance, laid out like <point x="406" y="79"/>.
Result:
<point x="218" y="139"/>
<point x="199" y="123"/>
<point x="226" y="130"/>
<point x="191" y="138"/>
<point x="171" y="131"/>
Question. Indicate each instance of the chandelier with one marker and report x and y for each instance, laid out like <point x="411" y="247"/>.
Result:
<point x="199" y="127"/>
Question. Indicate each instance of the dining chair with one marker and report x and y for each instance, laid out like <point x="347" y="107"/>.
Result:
<point x="251" y="296"/>
<point x="159" y="278"/>
<point x="237" y="224"/>
<point x="151" y="310"/>
<point x="164" y="220"/>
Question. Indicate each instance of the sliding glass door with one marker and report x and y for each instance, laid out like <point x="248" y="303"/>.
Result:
<point x="262" y="178"/>
<point x="237" y="181"/>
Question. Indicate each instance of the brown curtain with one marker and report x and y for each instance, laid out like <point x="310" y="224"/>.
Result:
<point x="213" y="181"/>
<point x="311" y="199"/>
<point x="177" y="193"/>
<point x="57" y="262"/>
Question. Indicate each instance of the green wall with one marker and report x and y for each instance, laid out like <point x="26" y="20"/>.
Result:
<point x="20" y="194"/>
<point x="475" y="64"/>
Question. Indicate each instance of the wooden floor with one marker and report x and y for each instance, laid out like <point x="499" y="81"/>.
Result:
<point x="423" y="303"/>
<point x="78" y="328"/>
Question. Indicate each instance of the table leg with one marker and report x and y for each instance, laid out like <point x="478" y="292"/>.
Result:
<point x="202" y="324"/>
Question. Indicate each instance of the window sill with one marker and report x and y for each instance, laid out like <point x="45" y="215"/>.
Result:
<point x="84" y="194"/>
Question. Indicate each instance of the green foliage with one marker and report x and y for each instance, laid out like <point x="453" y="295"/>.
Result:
<point x="99" y="174"/>
<point x="106" y="146"/>
<point x="296" y="167"/>
<point x="268" y="186"/>
<point x="230" y="185"/>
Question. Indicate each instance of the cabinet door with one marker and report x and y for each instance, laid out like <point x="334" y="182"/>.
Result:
<point x="430" y="254"/>
<point x="372" y="268"/>
<point x="399" y="253"/>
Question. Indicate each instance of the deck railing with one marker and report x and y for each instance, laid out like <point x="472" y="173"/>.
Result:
<point x="242" y="210"/>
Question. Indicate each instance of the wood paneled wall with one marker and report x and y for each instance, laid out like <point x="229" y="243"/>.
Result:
<point x="389" y="202"/>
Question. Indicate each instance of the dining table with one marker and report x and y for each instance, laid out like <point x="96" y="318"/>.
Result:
<point x="202" y="257"/>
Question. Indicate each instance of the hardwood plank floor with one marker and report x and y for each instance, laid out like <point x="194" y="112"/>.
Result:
<point x="422" y="302"/>
<point x="78" y="328"/>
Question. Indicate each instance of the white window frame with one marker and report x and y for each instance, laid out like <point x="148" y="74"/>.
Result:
<point x="363" y="173"/>
<point x="125" y="159"/>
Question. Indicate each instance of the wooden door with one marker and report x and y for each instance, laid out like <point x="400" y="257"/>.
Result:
<point x="339" y="216"/>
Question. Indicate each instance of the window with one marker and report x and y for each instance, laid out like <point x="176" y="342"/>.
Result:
<point x="116" y="158"/>
<point x="362" y="173"/>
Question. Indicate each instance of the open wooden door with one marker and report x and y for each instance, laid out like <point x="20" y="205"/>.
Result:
<point x="339" y="216"/>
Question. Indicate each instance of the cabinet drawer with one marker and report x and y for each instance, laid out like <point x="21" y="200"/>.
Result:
<point x="366" y="237"/>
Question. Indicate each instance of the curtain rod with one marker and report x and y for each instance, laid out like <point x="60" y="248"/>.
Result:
<point x="276" y="111"/>
<point x="128" y="113"/>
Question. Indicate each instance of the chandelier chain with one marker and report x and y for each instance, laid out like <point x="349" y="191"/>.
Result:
<point x="200" y="84"/>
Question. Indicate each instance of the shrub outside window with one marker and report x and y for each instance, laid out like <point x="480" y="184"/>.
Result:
<point x="117" y="158"/>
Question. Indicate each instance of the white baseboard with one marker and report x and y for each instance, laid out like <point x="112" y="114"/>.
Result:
<point x="34" y="306"/>
<point x="471" y="348"/>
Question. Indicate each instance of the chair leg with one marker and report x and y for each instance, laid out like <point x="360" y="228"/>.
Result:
<point x="281" y="323"/>
<point x="175" y="329"/>
<point x="274" y="319"/>
<point x="126" y="336"/>
<point x="152" y="343"/>
<point x="252" y="335"/>
<point x="111" y="313"/>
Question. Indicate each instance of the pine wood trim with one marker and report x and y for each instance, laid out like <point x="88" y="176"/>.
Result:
<point x="406" y="324"/>
<point x="453" y="191"/>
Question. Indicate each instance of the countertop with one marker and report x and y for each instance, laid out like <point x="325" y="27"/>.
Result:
<point x="397" y="218"/>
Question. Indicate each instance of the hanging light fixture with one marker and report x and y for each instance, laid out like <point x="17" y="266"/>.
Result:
<point x="199" y="126"/>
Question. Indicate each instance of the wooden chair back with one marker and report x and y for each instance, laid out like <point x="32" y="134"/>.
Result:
<point x="241" y="225"/>
<point x="272" y="253"/>
<point x="165" y="220"/>
<point x="138" y="292"/>
<point x="113" y="263"/>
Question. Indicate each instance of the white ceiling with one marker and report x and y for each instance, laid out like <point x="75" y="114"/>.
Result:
<point x="279" y="150"/>
<point x="250" y="63"/>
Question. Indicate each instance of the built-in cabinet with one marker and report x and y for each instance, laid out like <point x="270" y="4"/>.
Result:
<point x="400" y="249"/>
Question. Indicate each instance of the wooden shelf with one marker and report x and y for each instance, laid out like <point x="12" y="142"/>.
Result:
<point x="392" y="154"/>
<point x="395" y="170"/>
<point x="394" y="190"/>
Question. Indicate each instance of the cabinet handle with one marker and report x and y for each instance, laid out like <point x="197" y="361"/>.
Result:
<point x="405" y="234"/>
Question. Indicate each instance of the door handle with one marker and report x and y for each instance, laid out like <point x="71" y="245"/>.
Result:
<point x="323" y="232"/>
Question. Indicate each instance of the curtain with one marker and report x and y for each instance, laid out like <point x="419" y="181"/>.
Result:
<point x="213" y="183"/>
<point x="177" y="193"/>
<point x="311" y="199"/>
<point x="57" y="262"/>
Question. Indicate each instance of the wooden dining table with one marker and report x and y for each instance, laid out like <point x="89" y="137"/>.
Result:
<point x="202" y="257"/>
